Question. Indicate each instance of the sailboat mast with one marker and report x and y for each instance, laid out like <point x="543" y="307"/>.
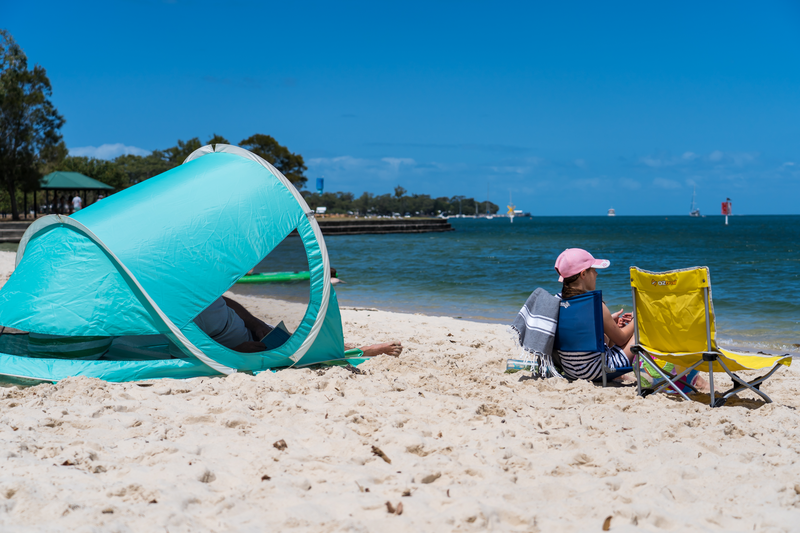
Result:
<point x="693" y="211"/>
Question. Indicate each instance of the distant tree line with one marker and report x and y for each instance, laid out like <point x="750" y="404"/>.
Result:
<point x="398" y="203"/>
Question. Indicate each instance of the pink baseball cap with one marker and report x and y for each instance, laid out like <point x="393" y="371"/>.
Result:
<point x="575" y="260"/>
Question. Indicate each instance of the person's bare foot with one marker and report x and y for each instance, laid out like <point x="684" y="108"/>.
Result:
<point x="389" y="348"/>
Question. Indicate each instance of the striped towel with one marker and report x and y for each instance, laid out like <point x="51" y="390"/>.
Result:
<point x="65" y="347"/>
<point x="535" y="326"/>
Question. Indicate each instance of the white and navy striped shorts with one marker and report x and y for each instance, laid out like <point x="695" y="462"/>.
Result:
<point x="586" y="365"/>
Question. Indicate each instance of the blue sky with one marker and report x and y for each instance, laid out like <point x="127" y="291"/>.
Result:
<point x="575" y="107"/>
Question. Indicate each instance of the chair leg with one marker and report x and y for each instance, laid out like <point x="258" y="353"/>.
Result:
<point x="740" y="385"/>
<point x="712" y="399"/>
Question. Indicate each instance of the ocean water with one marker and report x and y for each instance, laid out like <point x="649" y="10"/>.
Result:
<point x="487" y="268"/>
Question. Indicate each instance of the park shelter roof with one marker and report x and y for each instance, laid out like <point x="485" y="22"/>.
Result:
<point x="72" y="181"/>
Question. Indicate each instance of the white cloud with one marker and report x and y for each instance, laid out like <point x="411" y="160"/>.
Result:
<point x="395" y="162"/>
<point x="343" y="162"/>
<point x="580" y="163"/>
<point x="662" y="183"/>
<point x="717" y="158"/>
<point x="627" y="183"/>
<point x="345" y="167"/>
<point x="434" y="166"/>
<point x="590" y="183"/>
<point x="727" y="159"/>
<point x="743" y="158"/>
<point x="651" y="161"/>
<point x="690" y="182"/>
<point x="510" y="170"/>
<point x="107" y="151"/>
<point x="521" y="167"/>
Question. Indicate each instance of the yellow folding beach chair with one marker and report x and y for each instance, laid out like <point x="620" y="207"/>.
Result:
<point x="674" y="322"/>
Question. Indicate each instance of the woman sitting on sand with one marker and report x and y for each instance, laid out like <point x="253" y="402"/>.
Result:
<point x="577" y="269"/>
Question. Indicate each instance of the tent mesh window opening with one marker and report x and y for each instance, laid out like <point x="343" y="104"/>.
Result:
<point x="281" y="275"/>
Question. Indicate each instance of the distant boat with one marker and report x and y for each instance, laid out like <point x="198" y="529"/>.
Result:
<point x="693" y="211"/>
<point x="612" y="213"/>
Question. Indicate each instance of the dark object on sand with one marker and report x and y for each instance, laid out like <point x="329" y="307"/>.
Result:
<point x="377" y="451"/>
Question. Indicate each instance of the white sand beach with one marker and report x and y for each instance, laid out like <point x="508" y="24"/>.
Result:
<point x="440" y="431"/>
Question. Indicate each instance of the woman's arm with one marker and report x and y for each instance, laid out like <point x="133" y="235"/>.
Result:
<point x="618" y="335"/>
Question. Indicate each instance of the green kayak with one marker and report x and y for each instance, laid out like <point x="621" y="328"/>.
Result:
<point x="275" y="277"/>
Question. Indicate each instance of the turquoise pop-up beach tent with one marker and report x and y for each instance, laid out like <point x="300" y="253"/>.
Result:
<point x="131" y="272"/>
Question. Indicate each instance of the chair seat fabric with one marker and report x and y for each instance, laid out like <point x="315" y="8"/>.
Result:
<point x="735" y="361"/>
